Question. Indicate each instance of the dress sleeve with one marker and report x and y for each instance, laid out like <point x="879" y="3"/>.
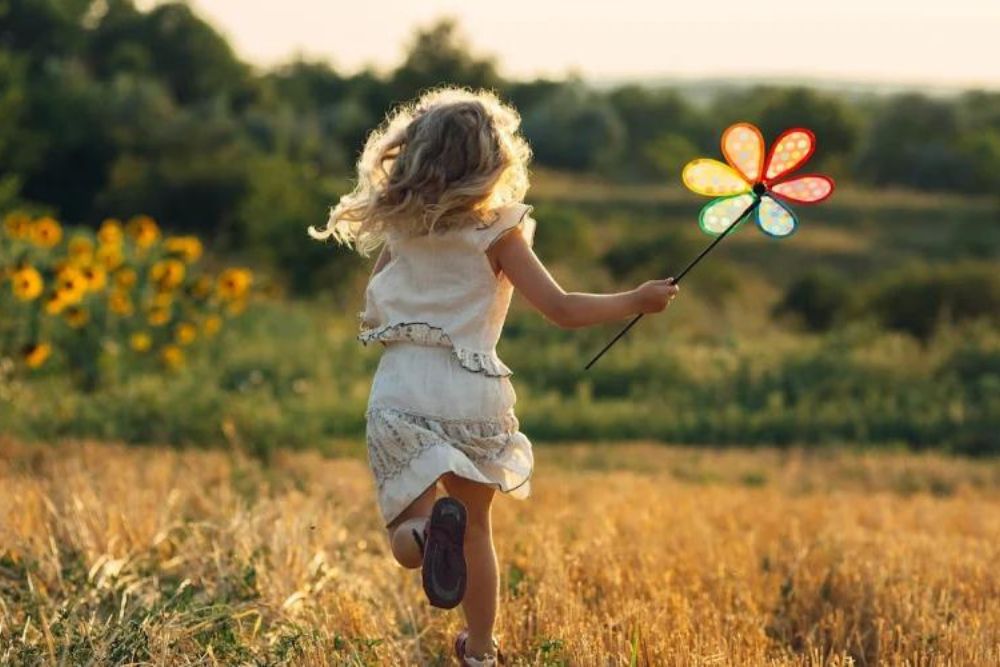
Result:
<point x="508" y="218"/>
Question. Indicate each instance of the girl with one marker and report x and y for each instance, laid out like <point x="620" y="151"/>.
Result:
<point x="440" y="190"/>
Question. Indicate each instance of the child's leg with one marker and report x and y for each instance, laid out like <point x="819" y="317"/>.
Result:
<point x="404" y="547"/>
<point x="482" y="588"/>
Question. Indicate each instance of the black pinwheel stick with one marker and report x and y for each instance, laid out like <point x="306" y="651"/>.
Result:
<point x="694" y="262"/>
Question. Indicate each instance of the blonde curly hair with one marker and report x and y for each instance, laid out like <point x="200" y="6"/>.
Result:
<point x="442" y="162"/>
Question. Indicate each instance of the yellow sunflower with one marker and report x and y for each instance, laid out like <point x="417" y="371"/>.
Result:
<point x="55" y="303"/>
<point x="120" y="303"/>
<point x="188" y="248"/>
<point x="172" y="356"/>
<point x="167" y="274"/>
<point x="125" y="278"/>
<point x="17" y="225"/>
<point x="140" y="341"/>
<point x="80" y="250"/>
<point x="143" y="230"/>
<point x="234" y="283"/>
<point x="158" y="316"/>
<point x="236" y="307"/>
<point x="46" y="232"/>
<point x="110" y="256"/>
<point x="185" y="333"/>
<point x="27" y="283"/>
<point x="35" y="354"/>
<point x="76" y="317"/>
<point x="71" y="284"/>
<point x="110" y="233"/>
<point x="211" y="325"/>
<point x="201" y="288"/>
<point x="96" y="277"/>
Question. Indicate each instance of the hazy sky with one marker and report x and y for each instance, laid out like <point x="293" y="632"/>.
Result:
<point x="951" y="42"/>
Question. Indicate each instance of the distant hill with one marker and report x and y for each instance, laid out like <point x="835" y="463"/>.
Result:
<point x="701" y="90"/>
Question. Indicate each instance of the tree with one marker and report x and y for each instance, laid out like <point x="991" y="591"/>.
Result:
<point x="913" y="141"/>
<point x="575" y="128"/>
<point x="437" y="56"/>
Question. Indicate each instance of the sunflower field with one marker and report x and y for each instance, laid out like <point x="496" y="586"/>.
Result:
<point x="102" y="304"/>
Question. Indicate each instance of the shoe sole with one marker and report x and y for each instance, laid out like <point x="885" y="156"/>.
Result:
<point x="445" y="543"/>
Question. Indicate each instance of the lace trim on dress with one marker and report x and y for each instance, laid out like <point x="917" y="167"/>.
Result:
<point x="423" y="333"/>
<point x="402" y="437"/>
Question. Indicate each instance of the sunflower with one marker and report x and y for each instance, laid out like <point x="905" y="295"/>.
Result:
<point x="201" y="288"/>
<point x="17" y="225"/>
<point x="143" y="230"/>
<point x="27" y="283"/>
<point x="71" y="284"/>
<point x="211" y="325"/>
<point x="110" y="256"/>
<point x="46" y="232"/>
<point x="163" y="299"/>
<point x="188" y="248"/>
<point x="234" y="283"/>
<point x="159" y="315"/>
<point x="125" y="278"/>
<point x="172" y="356"/>
<point x="110" y="233"/>
<point x="96" y="277"/>
<point x="35" y="354"/>
<point x="55" y="303"/>
<point x="167" y="274"/>
<point x="76" y="317"/>
<point x="236" y="307"/>
<point x="140" y="341"/>
<point x="120" y="303"/>
<point x="185" y="333"/>
<point x="80" y="250"/>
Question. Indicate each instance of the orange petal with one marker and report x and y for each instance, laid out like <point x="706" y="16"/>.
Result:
<point x="713" y="178"/>
<point x="810" y="189"/>
<point x="790" y="151"/>
<point x="743" y="146"/>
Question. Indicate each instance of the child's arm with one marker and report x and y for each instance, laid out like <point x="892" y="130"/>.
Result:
<point x="512" y="255"/>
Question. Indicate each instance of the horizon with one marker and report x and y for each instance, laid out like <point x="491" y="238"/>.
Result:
<point x="630" y="43"/>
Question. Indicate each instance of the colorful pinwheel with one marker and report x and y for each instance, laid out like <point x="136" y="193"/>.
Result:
<point x="750" y="183"/>
<point x="750" y="178"/>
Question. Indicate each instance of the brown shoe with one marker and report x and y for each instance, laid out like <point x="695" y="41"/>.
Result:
<point x="444" y="573"/>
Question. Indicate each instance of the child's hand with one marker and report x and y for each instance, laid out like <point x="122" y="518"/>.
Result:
<point x="654" y="295"/>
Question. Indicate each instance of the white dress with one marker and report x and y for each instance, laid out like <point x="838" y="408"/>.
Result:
<point x="441" y="400"/>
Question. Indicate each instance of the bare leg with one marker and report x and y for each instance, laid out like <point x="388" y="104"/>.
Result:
<point x="482" y="588"/>
<point x="404" y="547"/>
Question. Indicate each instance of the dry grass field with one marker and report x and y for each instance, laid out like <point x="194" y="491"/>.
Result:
<point x="626" y="555"/>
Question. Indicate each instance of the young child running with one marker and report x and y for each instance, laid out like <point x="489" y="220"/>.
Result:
<point x="440" y="190"/>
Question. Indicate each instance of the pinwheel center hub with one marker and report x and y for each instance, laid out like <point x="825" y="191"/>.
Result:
<point x="759" y="189"/>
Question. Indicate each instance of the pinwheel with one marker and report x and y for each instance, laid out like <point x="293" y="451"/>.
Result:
<point x="750" y="183"/>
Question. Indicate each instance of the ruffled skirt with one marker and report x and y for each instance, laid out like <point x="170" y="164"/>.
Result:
<point x="428" y="415"/>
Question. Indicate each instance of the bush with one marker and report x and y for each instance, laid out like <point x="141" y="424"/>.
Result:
<point x="819" y="299"/>
<point x="917" y="298"/>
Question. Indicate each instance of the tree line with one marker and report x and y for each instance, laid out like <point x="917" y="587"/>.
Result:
<point x="109" y="110"/>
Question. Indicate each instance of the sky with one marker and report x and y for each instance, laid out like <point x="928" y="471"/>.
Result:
<point x="902" y="42"/>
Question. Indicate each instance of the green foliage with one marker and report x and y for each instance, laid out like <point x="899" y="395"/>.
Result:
<point x="918" y="298"/>
<point x="819" y="299"/>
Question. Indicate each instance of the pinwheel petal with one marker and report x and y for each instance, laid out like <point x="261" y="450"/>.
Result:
<point x="790" y="151"/>
<point x="713" y="178"/>
<point x="775" y="219"/>
<point x="743" y="146"/>
<point x="718" y="214"/>
<point x="810" y="189"/>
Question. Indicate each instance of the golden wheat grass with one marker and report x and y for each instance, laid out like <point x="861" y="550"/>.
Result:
<point x="642" y="554"/>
